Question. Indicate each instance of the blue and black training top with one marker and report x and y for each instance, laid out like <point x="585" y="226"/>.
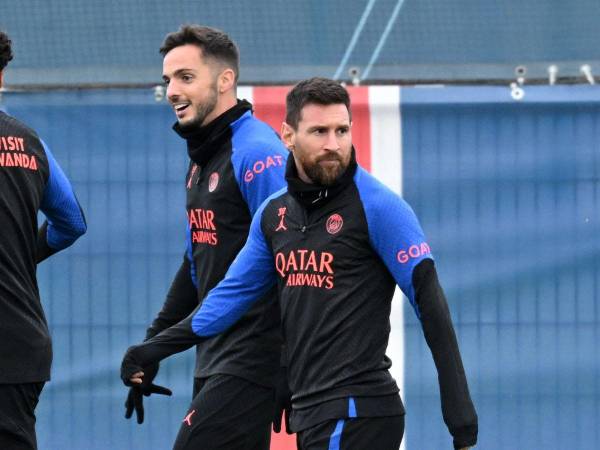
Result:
<point x="30" y="181"/>
<point x="336" y="254"/>
<point x="236" y="162"/>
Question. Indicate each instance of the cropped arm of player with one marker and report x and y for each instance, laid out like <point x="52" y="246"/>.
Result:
<point x="249" y="277"/>
<point x="408" y="258"/>
<point x="65" y="221"/>
<point x="180" y="302"/>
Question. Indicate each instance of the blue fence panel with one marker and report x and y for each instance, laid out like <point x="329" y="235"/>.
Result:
<point x="508" y="194"/>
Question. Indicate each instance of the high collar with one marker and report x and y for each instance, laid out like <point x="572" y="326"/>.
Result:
<point x="204" y="142"/>
<point x="315" y="195"/>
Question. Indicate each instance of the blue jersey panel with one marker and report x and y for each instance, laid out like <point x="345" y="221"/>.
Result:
<point x="66" y="221"/>
<point x="258" y="159"/>
<point x="394" y="231"/>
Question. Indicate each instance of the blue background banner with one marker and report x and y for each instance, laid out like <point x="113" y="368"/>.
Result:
<point x="507" y="192"/>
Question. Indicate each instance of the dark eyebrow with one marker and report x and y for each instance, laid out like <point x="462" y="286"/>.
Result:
<point x="178" y="72"/>
<point x="326" y="127"/>
<point x="317" y="127"/>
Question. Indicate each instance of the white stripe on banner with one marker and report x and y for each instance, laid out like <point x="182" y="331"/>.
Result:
<point x="386" y="165"/>
<point x="245" y="93"/>
<point x="386" y="148"/>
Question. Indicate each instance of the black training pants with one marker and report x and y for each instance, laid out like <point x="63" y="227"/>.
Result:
<point x="227" y="413"/>
<point x="17" y="415"/>
<point x="372" y="433"/>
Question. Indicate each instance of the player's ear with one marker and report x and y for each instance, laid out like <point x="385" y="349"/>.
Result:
<point x="1" y="73"/>
<point x="226" y="80"/>
<point x="288" y="135"/>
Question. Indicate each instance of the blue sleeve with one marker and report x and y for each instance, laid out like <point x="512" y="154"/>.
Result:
<point x="249" y="277"/>
<point x="65" y="218"/>
<point x="259" y="168"/>
<point x="394" y="232"/>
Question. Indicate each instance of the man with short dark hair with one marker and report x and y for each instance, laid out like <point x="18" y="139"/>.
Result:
<point x="30" y="181"/>
<point x="236" y="162"/>
<point x="335" y="243"/>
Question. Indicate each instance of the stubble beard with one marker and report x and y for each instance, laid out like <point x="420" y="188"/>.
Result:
<point x="203" y="110"/>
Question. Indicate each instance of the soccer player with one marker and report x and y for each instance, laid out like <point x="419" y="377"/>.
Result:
<point x="236" y="162"/>
<point x="30" y="181"/>
<point x="335" y="242"/>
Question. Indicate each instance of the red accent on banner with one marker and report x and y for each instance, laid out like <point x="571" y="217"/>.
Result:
<point x="269" y="104"/>
<point x="361" y="124"/>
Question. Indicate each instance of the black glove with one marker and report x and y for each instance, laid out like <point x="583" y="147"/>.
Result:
<point x="135" y="399"/>
<point x="283" y="402"/>
<point x="130" y="365"/>
<point x="173" y="340"/>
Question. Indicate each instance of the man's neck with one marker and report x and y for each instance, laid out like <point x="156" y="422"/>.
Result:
<point x="224" y="104"/>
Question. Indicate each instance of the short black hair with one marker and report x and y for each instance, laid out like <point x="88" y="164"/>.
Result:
<point x="5" y="50"/>
<point x="214" y="43"/>
<point x="320" y="91"/>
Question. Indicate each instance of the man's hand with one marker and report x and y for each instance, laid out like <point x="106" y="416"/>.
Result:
<point x="131" y="371"/>
<point x="283" y="402"/>
<point x="141" y="384"/>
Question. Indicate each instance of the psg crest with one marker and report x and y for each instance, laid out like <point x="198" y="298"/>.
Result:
<point x="334" y="223"/>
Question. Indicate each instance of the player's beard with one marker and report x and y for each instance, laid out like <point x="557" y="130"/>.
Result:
<point x="204" y="109"/>
<point x="322" y="175"/>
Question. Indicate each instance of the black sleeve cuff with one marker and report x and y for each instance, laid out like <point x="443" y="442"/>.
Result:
<point x="465" y="436"/>
<point x="43" y="249"/>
